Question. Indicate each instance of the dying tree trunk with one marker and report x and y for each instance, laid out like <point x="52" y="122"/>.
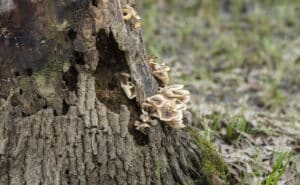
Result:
<point x="64" y="118"/>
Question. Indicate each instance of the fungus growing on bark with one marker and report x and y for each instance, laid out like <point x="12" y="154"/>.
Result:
<point x="167" y="105"/>
<point x="129" y="14"/>
<point x="160" y="71"/>
<point x="156" y="100"/>
<point x="176" y="91"/>
<point x="128" y="86"/>
<point x="141" y="125"/>
<point x="144" y="122"/>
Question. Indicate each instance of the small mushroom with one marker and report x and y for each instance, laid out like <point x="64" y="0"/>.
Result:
<point x="180" y="93"/>
<point x="129" y="90"/>
<point x="127" y="85"/>
<point x="175" y="87"/>
<point x="157" y="100"/>
<point x="130" y="13"/>
<point x="153" y="63"/>
<point x="180" y="106"/>
<point x="125" y="77"/>
<point x="141" y="126"/>
<point x="168" y="90"/>
<point x="160" y="71"/>
<point x="146" y="107"/>
<point x="184" y="99"/>
<point x="162" y="75"/>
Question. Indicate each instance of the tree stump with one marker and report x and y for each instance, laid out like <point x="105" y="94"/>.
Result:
<point x="64" y="118"/>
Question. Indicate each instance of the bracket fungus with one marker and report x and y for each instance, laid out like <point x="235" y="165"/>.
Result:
<point x="128" y="86"/>
<point x="144" y="122"/>
<point x="129" y="14"/>
<point x="167" y="105"/>
<point x="160" y="71"/>
<point x="176" y="91"/>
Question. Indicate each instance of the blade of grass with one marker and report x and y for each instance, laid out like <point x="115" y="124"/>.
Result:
<point x="278" y="169"/>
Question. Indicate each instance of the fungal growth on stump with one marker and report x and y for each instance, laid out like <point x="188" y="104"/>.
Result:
<point x="169" y="102"/>
<point x="128" y="86"/>
<point x="130" y="15"/>
<point x="160" y="71"/>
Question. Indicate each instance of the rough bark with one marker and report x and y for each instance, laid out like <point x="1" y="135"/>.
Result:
<point x="64" y="118"/>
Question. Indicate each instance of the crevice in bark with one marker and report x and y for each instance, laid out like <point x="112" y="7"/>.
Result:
<point x="29" y="71"/>
<point x="65" y="107"/>
<point x="112" y="62"/>
<point x="72" y="34"/>
<point x="70" y="78"/>
<point x="79" y="57"/>
<point x="95" y="3"/>
<point x="140" y="138"/>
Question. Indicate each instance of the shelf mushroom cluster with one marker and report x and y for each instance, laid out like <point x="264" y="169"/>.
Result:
<point x="168" y="104"/>
<point x="129" y="14"/>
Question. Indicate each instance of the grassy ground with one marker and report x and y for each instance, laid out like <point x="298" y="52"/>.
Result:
<point x="241" y="61"/>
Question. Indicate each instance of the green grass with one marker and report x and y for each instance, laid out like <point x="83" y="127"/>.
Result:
<point x="279" y="168"/>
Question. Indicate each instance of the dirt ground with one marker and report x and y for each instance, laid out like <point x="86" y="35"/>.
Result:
<point x="241" y="61"/>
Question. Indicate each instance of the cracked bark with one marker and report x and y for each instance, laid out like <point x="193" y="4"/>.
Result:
<point x="64" y="118"/>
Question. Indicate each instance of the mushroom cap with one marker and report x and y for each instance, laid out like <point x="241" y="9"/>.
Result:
<point x="168" y="90"/>
<point x="162" y="75"/>
<point x="130" y="12"/>
<point x="174" y="87"/>
<point x="146" y="106"/>
<point x="156" y="66"/>
<point x="125" y="74"/>
<point x="157" y="100"/>
<point x="153" y="59"/>
<point x="164" y="67"/>
<point x="180" y="106"/>
<point x="129" y="90"/>
<point x="180" y="93"/>
<point x="153" y="64"/>
<point x="168" y="112"/>
<point x="140" y="125"/>
<point x="137" y="17"/>
<point x="168" y="115"/>
<point x="125" y="77"/>
<point x="155" y="114"/>
<point x="127" y="13"/>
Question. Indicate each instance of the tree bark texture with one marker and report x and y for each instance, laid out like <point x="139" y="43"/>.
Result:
<point x="64" y="119"/>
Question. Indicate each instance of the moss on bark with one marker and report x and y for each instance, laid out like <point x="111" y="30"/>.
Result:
<point x="212" y="163"/>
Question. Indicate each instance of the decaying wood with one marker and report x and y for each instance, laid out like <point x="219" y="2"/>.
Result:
<point x="64" y="118"/>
